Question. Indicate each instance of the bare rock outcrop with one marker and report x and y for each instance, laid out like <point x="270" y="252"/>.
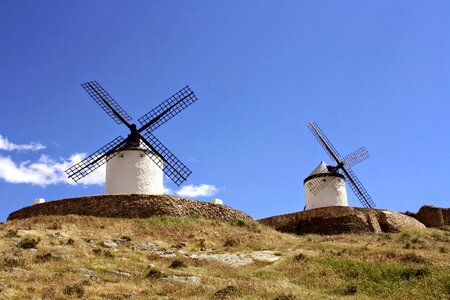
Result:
<point x="131" y="206"/>
<point x="341" y="219"/>
<point x="391" y="221"/>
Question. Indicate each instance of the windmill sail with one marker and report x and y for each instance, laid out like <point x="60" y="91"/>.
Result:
<point x="106" y="102"/>
<point x="173" y="167"/>
<point x="358" y="188"/>
<point x="167" y="110"/>
<point x="95" y="160"/>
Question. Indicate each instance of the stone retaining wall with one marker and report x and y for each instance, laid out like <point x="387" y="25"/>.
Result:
<point x="131" y="206"/>
<point x="432" y="216"/>
<point x="341" y="219"/>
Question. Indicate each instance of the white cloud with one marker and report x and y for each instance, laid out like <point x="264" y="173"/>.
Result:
<point x="46" y="171"/>
<point x="8" y="146"/>
<point x="202" y="190"/>
<point x="167" y="190"/>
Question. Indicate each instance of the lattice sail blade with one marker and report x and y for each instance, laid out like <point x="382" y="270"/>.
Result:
<point x="324" y="142"/>
<point x="96" y="159"/>
<point x="356" y="157"/>
<point x="357" y="187"/>
<point x="167" y="110"/>
<point x="106" y="102"/>
<point x="172" y="167"/>
<point x="315" y="185"/>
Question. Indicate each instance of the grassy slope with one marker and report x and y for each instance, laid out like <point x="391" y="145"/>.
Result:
<point x="406" y="265"/>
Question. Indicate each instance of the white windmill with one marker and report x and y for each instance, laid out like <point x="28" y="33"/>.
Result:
<point x="325" y="186"/>
<point x="135" y="164"/>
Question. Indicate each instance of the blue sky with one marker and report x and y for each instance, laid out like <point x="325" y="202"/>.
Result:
<point x="370" y="73"/>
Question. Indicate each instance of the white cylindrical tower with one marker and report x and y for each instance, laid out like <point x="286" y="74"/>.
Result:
<point x="132" y="171"/>
<point x="332" y="194"/>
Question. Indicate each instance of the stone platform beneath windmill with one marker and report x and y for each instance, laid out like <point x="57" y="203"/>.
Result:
<point x="341" y="219"/>
<point x="131" y="206"/>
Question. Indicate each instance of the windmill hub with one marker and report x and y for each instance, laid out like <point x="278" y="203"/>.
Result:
<point x="133" y="139"/>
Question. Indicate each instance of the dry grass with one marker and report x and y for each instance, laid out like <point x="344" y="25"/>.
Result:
<point x="64" y="257"/>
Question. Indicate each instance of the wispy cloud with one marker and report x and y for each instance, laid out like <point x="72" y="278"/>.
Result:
<point x="202" y="190"/>
<point x="9" y="146"/>
<point x="46" y="171"/>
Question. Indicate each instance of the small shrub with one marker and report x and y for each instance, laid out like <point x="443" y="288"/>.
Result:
<point x="154" y="274"/>
<point x="404" y="236"/>
<point x="44" y="257"/>
<point x="13" y="262"/>
<point x="231" y="242"/>
<point x="443" y="250"/>
<point x="240" y="223"/>
<point x="407" y="246"/>
<point x="74" y="290"/>
<point x="300" y="257"/>
<point x="420" y="273"/>
<point x="89" y="241"/>
<point x="417" y="240"/>
<point x="351" y="290"/>
<point x="227" y="292"/>
<point x="411" y="274"/>
<point x="202" y="244"/>
<point x="104" y="252"/>
<point x="176" y="264"/>
<point x="412" y="257"/>
<point x="285" y="297"/>
<point x="179" y="245"/>
<point x="385" y="236"/>
<point x="390" y="254"/>
<point x="55" y="226"/>
<point x="12" y="233"/>
<point x="108" y="253"/>
<point x="28" y="243"/>
<point x="70" y="241"/>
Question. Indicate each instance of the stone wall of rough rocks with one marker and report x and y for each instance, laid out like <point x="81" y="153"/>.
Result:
<point x="131" y="206"/>
<point x="341" y="219"/>
<point x="432" y="216"/>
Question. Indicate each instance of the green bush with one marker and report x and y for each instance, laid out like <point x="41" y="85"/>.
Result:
<point x="28" y="243"/>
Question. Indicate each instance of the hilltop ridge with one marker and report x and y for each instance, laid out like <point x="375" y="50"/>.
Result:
<point x="131" y="206"/>
<point x="178" y="257"/>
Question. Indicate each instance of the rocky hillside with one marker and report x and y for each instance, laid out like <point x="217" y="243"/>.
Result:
<point x="64" y="257"/>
